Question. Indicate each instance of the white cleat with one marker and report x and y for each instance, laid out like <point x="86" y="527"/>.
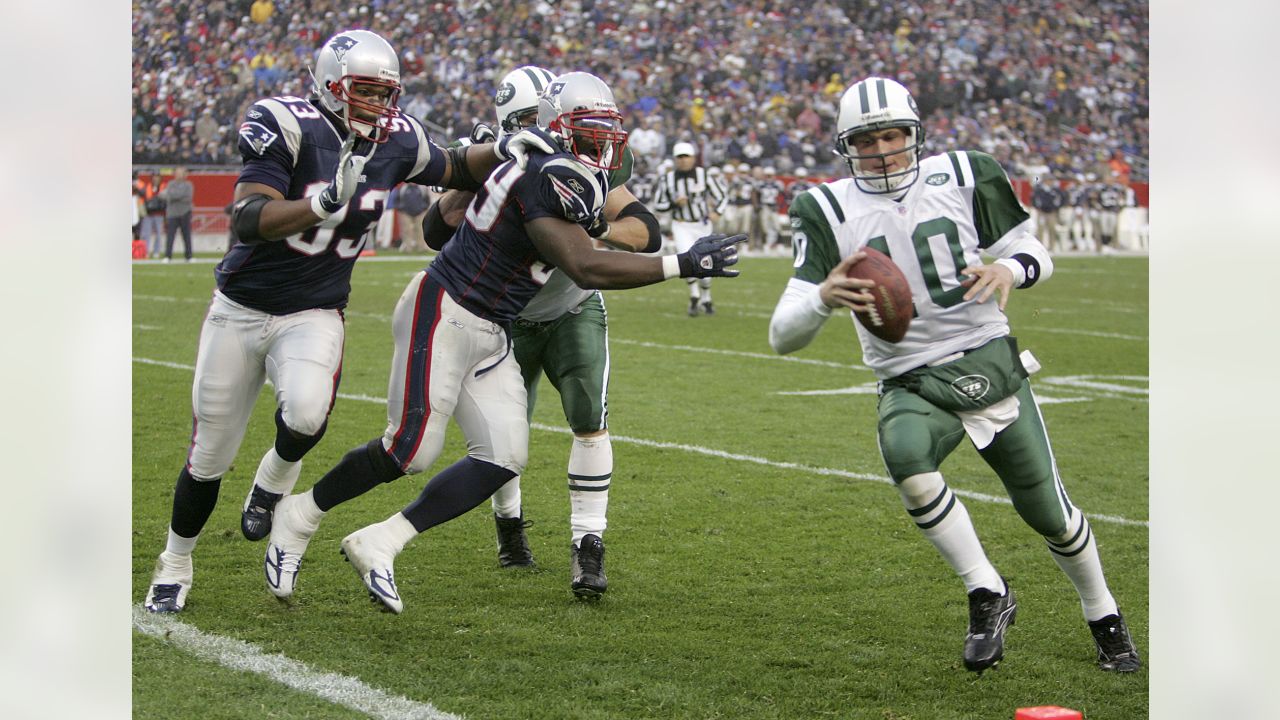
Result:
<point x="290" y="533"/>
<point x="169" y="583"/>
<point x="372" y="560"/>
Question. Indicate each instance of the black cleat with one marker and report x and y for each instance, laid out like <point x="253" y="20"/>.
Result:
<point x="708" y="308"/>
<point x="989" y="616"/>
<point x="588" y="567"/>
<point x="693" y="307"/>
<point x="513" y="546"/>
<point x="1116" y="652"/>
<point x="255" y="518"/>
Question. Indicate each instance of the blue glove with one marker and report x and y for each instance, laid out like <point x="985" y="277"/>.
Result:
<point x="519" y="145"/>
<point x="710" y="255"/>
<point x="346" y="176"/>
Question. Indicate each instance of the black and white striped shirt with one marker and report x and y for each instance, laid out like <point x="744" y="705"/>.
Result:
<point x="696" y="185"/>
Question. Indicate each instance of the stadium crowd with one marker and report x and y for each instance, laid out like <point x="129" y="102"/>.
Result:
<point x="1056" y="84"/>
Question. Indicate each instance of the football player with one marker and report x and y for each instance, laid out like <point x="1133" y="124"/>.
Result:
<point x="316" y="174"/>
<point x="563" y="332"/>
<point x="452" y="337"/>
<point x="957" y="372"/>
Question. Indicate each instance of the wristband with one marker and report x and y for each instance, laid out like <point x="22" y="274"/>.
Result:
<point x="318" y="209"/>
<point x="670" y="266"/>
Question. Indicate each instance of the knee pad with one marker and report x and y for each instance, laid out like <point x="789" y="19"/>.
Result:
<point x="306" y="418"/>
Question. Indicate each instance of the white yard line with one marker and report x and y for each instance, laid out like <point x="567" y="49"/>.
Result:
<point x="831" y="472"/>
<point x="239" y="655"/>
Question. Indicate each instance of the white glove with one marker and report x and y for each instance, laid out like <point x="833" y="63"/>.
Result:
<point x="518" y="146"/>
<point x="346" y="177"/>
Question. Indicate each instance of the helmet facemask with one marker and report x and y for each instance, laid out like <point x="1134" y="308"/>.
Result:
<point x="595" y="137"/>
<point x="378" y="128"/>
<point x="880" y="182"/>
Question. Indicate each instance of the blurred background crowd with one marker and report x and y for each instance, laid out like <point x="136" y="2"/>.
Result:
<point x="1046" y="86"/>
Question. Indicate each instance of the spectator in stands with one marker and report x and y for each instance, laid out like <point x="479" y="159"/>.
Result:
<point x="177" y="212"/>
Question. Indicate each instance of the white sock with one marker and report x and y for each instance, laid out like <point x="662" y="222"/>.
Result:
<point x="1077" y="554"/>
<point x="693" y="288"/>
<point x="397" y="531"/>
<point x="945" y="522"/>
<point x="506" y="502"/>
<point x="590" y="469"/>
<point x="178" y="545"/>
<point x="308" y="510"/>
<point x="277" y="475"/>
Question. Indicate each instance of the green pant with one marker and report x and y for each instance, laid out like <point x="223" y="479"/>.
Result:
<point x="916" y="436"/>
<point x="573" y="350"/>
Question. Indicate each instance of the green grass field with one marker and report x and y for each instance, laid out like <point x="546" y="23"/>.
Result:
<point x="759" y="564"/>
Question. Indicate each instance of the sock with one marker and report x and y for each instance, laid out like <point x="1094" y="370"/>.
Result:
<point x="945" y="522"/>
<point x="309" y="510"/>
<point x="277" y="475"/>
<point x="396" y="530"/>
<point x="359" y="471"/>
<point x="506" y="502"/>
<point x="291" y="445"/>
<point x="693" y="287"/>
<point x="1077" y="554"/>
<point x="193" y="502"/>
<point x="455" y="490"/>
<point x="590" y="469"/>
<point x="178" y="545"/>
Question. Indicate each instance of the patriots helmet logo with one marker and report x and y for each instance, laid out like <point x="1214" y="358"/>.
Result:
<point x="340" y="45"/>
<point x="258" y="136"/>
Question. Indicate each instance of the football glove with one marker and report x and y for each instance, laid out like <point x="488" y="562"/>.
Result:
<point x="599" y="228"/>
<point x="710" y="255"/>
<point x="346" y="177"/>
<point x="518" y="146"/>
<point x="482" y="133"/>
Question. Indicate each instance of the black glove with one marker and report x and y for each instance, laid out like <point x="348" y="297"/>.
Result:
<point x="599" y="229"/>
<point x="710" y="255"/>
<point x="482" y="133"/>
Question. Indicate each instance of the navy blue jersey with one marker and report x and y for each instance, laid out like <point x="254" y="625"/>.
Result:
<point x="490" y="266"/>
<point x="290" y="145"/>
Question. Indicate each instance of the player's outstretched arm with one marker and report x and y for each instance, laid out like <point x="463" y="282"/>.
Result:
<point x="568" y="247"/>
<point x="626" y="224"/>
<point x="444" y="217"/>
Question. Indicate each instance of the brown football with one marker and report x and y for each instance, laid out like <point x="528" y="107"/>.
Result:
<point x="891" y="313"/>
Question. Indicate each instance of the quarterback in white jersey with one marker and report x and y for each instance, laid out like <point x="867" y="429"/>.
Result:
<point x="957" y="372"/>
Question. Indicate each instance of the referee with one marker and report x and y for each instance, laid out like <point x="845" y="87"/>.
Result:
<point x="695" y="200"/>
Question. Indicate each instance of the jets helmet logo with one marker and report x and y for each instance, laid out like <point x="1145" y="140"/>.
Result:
<point x="341" y="45"/>
<point x="504" y="94"/>
<point x="258" y="136"/>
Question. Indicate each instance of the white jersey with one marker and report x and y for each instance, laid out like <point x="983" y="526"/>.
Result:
<point x="558" y="296"/>
<point x="960" y="206"/>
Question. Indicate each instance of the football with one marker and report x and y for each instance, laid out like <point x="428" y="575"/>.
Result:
<point x="891" y="314"/>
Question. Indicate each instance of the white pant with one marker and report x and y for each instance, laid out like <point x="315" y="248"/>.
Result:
<point x="240" y="347"/>
<point x="451" y="363"/>
<point x="686" y="234"/>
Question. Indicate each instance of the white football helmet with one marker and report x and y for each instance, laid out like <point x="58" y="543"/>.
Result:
<point x="516" y="100"/>
<point x="578" y="108"/>
<point x="352" y="58"/>
<point x="877" y="104"/>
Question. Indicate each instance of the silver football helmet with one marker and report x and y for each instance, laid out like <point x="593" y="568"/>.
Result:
<point x="578" y="108"/>
<point x="359" y="60"/>
<point x="516" y="100"/>
<point x="878" y="104"/>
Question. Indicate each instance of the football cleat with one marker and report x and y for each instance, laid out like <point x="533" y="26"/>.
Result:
<point x="255" y="517"/>
<point x="170" y="582"/>
<point x="589" y="580"/>
<point x="372" y="561"/>
<point x="708" y="308"/>
<point x="513" y="546"/>
<point x="1116" y="652"/>
<point x="989" y="616"/>
<point x="693" y="307"/>
<point x="290" y="534"/>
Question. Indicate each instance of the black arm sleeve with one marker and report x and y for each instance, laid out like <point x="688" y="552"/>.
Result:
<point x="244" y="218"/>
<point x="460" y="177"/>
<point x="434" y="229"/>
<point x="640" y="212"/>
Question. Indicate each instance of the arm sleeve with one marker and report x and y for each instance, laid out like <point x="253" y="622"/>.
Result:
<point x="1004" y="228"/>
<point x="797" y="318"/>
<point x="265" y="153"/>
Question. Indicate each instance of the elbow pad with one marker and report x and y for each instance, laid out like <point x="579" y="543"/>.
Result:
<point x="461" y="178"/>
<point x="244" y="218"/>
<point x="435" y="231"/>
<point x="640" y="212"/>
